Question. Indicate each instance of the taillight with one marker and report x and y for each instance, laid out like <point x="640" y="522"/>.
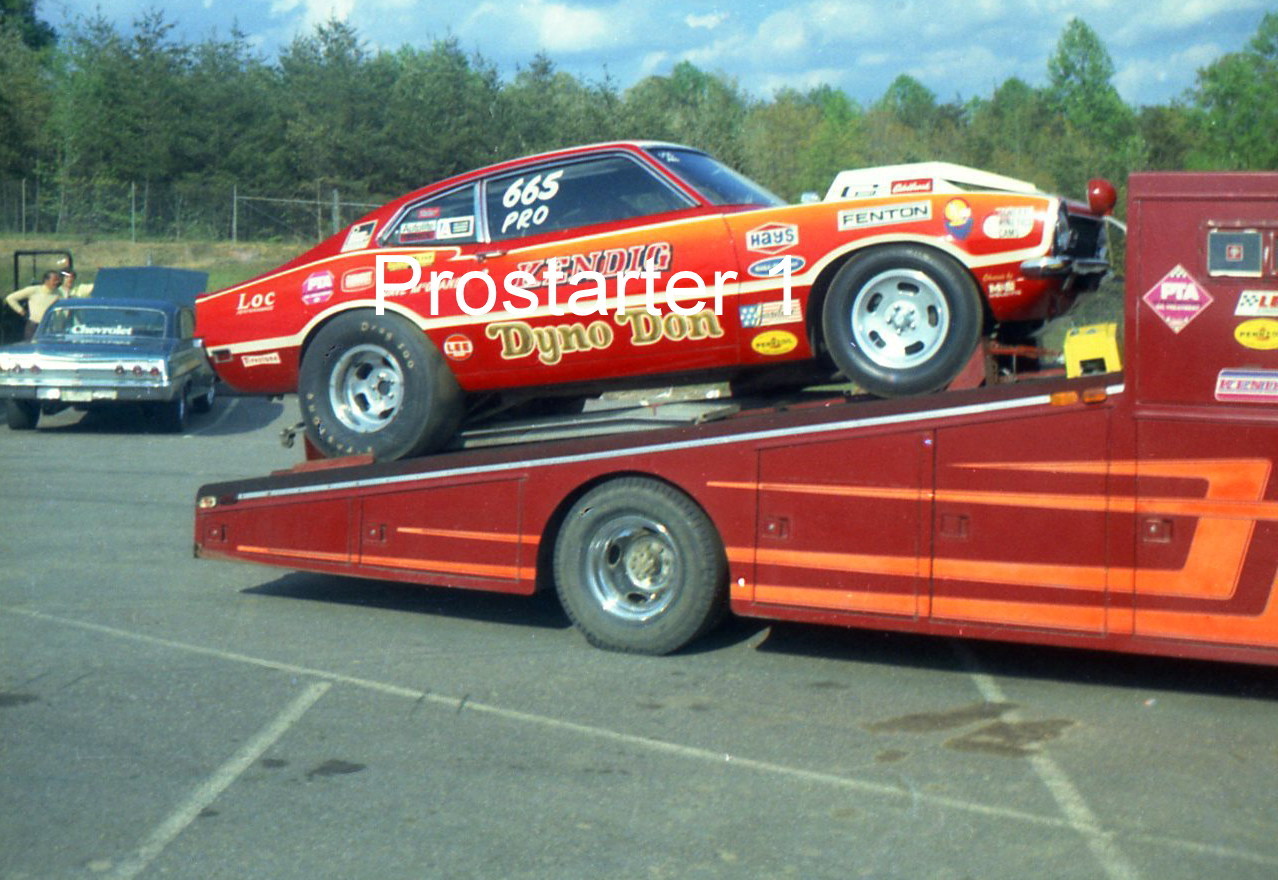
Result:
<point x="1101" y="195"/>
<point x="119" y="369"/>
<point x="155" y="371"/>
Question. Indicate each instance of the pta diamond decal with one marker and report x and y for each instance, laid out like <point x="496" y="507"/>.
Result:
<point x="1178" y="299"/>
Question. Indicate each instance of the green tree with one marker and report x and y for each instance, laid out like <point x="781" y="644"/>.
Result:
<point x="1236" y="111"/>
<point x="443" y="112"/>
<point x="331" y="105"/>
<point x="1100" y="134"/>
<point x="689" y="106"/>
<point x="25" y="104"/>
<point x="20" y="15"/>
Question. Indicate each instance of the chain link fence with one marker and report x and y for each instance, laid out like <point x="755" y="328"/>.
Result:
<point x="164" y="211"/>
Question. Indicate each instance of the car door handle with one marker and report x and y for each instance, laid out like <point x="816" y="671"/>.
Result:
<point x="488" y="255"/>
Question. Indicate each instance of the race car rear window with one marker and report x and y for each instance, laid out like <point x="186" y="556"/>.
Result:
<point x="566" y="195"/>
<point x="441" y="220"/>
<point x="714" y="180"/>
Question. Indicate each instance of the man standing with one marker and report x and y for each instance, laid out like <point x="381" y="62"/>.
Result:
<point x="38" y="298"/>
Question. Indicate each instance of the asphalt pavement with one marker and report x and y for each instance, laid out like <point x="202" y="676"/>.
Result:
<point x="162" y="716"/>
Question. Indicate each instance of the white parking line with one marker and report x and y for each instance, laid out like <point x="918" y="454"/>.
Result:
<point x="1084" y="823"/>
<point x="1067" y="796"/>
<point x="189" y="810"/>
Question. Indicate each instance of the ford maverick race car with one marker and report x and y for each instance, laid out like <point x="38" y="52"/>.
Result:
<point x="587" y="266"/>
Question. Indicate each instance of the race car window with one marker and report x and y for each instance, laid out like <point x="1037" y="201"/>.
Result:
<point x="550" y="198"/>
<point x="714" y="180"/>
<point x="441" y="220"/>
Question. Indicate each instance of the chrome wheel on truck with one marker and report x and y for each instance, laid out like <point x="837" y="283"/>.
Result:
<point x="639" y="567"/>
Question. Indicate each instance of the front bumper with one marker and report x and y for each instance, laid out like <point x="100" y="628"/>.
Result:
<point x="1061" y="266"/>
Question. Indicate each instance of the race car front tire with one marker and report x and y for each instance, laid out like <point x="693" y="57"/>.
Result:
<point x="375" y="385"/>
<point x="902" y="320"/>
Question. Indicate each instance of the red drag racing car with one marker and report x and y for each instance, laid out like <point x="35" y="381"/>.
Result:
<point x="568" y="270"/>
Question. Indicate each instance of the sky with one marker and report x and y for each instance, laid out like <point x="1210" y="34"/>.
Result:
<point x="959" y="50"/>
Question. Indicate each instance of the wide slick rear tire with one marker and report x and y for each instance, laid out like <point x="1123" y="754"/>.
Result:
<point x="375" y="385"/>
<point x="639" y="567"/>
<point x="902" y="320"/>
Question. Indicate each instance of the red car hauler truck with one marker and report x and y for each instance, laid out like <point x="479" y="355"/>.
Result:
<point x="1132" y="509"/>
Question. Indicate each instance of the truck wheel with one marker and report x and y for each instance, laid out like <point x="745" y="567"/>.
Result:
<point x="902" y="320"/>
<point x="639" y="567"/>
<point x="22" y="415"/>
<point x="374" y="384"/>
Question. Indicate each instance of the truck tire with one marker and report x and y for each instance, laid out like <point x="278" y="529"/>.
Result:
<point x="22" y="415"/>
<point x="639" y="567"/>
<point x="375" y="385"/>
<point x="902" y="320"/>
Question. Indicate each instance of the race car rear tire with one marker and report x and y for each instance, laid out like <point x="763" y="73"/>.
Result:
<point x="639" y="567"/>
<point x="375" y="385"/>
<point x="22" y="415"/>
<point x="902" y="320"/>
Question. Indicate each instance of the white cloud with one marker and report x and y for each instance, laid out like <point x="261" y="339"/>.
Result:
<point x="551" y="27"/>
<point x="709" y="21"/>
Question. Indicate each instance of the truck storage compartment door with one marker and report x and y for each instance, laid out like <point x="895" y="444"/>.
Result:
<point x="843" y="524"/>
<point x="463" y="535"/>
<point x="1021" y="517"/>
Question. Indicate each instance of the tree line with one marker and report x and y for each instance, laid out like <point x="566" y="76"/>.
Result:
<point x="98" y="105"/>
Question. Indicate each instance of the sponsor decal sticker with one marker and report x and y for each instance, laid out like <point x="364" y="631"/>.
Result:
<point x="1009" y="223"/>
<point x="251" y="303"/>
<point x="458" y="347"/>
<point x="774" y="343"/>
<point x="455" y="227"/>
<point x="1247" y="386"/>
<point x="958" y="218"/>
<point x="772" y="238"/>
<point x="1000" y="289"/>
<point x="1257" y="304"/>
<point x="357" y="279"/>
<point x="261" y="360"/>
<point x="1260" y="334"/>
<point x="776" y="267"/>
<point x="1177" y="299"/>
<point x="359" y="236"/>
<point x="770" y="314"/>
<point x="905" y="187"/>
<point x="884" y="215"/>
<point x="550" y="343"/>
<point x="317" y="288"/>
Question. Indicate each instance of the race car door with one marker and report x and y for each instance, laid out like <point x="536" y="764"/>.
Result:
<point x="603" y="219"/>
